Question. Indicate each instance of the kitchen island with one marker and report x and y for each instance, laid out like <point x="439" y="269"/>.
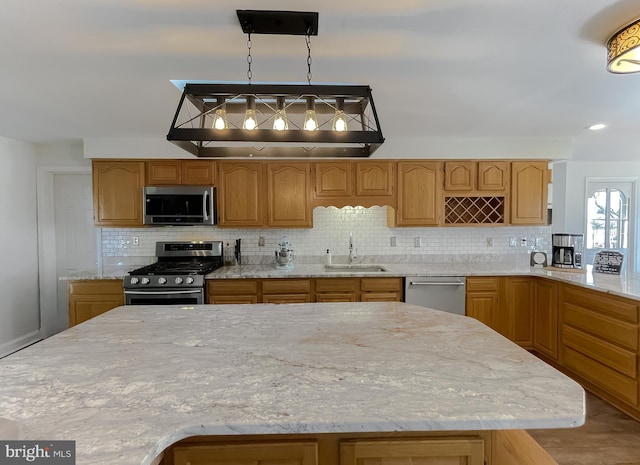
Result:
<point x="130" y="383"/>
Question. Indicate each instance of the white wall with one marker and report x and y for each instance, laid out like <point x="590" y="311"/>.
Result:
<point x="19" y="309"/>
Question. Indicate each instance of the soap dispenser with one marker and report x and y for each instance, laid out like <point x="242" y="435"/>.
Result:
<point x="327" y="258"/>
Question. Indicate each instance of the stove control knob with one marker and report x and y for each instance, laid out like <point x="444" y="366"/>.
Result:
<point x="144" y="281"/>
<point x="189" y="280"/>
<point x="162" y="280"/>
<point x="178" y="280"/>
<point x="134" y="280"/>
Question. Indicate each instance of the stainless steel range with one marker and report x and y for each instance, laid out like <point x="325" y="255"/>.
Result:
<point x="178" y="275"/>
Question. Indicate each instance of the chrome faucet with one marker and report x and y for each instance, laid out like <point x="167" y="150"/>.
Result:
<point x="353" y="253"/>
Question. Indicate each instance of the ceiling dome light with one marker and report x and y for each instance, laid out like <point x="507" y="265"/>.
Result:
<point x="597" y="127"/>
<point x="624" y="50"/>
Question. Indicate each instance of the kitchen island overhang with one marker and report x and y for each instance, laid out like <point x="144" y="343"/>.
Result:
<point x="130" y="383"/>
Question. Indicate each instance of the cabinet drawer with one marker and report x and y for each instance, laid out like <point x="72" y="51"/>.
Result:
<point x="232" y="299"/>
<point x="286" y="299"/>
<point x="617" y="384"/>
<point x="611" y="329"/>
<point x="610" y="355"/>
<point x="337" y="285"/>
<point x="340" y="297"/>
<point x="619" y="308"/>
<point x="286" y="286"/>
<point x="97" y="286"/>
<point x="232" y="286"/>
<point x="302" y="453"/>
<point x="482" y="284"/>
<point x="380" y="284"/>
<point x="380" y="297"/>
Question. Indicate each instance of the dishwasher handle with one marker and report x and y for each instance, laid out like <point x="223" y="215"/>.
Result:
<point x="427" y="283"/>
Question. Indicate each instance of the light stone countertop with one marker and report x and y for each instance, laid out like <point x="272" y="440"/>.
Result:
<point x="129" y="383"/>
<point x="625" y="284"/>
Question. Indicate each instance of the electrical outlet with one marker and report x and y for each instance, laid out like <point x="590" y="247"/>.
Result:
<point x="523" y="242"/>
<point x="261" y="241"/>
<point x="417" y="242"/>
<point x="489" y="242"/>
<point x="512" y="242"/>
<point x="394" y="241"/>
<point x="136" y="240"/>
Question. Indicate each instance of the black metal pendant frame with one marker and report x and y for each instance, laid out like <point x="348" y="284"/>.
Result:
<point x="192" y="130"/>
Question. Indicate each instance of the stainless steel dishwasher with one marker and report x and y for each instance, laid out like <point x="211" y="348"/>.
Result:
<point x="446" y="293"/>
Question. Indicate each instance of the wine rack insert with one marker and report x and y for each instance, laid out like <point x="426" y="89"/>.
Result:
<point x="474" y="210"/>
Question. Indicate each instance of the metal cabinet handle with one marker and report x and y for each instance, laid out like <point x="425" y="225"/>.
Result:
<point x="411" y="283"/>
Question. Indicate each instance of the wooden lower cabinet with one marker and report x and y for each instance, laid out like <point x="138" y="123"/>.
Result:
<point x="296" y="453"/>
<point x="519" y="310"/>
<point x="232" y="291"/>
<point x="445" y="451"/>
<point x="482" y="299"/>
<point x="512" y="447"/>
<point x="599" y="344"/>
<point x="90" y="298"/>
<point x="286" y="291"/>
<point x="545" y="318"/>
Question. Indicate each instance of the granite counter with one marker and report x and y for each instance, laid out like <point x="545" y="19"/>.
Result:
<point x="129" y="383"/>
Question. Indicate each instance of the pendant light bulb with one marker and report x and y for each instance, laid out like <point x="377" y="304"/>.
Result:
<point x="220" y="116"/>
<point x="340" y="120"/>
<point x="250" y="120"/>
<point x="280" y="122"/>
<point x="310" y="118"/>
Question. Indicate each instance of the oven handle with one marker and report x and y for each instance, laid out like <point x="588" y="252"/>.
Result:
<point x="196" y="291"/>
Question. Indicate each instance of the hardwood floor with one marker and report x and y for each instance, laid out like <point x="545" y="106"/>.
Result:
<point x="609" y="437"/>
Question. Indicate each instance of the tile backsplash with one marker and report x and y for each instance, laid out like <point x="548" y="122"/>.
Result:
<point x="372" y="237"/>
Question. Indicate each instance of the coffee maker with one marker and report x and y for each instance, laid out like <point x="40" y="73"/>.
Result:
<point x="567" y="250"/>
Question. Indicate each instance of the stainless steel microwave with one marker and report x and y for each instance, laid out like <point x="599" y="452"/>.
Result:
<point x="180" y="205"/>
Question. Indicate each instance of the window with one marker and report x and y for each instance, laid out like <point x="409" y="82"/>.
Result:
<point x="608" y="217"/>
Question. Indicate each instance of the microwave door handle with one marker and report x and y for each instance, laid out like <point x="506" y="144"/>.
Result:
<point x="205" y="205"/>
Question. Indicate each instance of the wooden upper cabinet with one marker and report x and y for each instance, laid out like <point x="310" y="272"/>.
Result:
<point x="240" y="192"/>
<point x="419" y="185"/>
<point x="459" y="175"/>
<point x="175" y="172"/>
<point x="117" y="192"/>
<point x="374" y="178"/>
<point x="529" y="183"/>
<point x="333" y="179"/>
<point x="288" y="195"/>
<point x="493" y="176"/>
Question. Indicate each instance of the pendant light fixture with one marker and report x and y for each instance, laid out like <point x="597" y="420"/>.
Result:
<point x="220" y="116"/>
<point x="228" y="119"/>
<point x="280" y="122"/>
<point x="624" y="49"/>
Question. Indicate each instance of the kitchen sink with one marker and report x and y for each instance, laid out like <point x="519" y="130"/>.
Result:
<point x="359" y="268"/>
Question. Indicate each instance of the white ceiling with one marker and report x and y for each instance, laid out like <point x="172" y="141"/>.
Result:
<point x="445" y="70"/>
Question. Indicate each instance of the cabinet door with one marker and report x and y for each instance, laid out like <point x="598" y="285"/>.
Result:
<point x="374" y="178"/>
<point x="117" y="192"/>
<point x="519" y="306"/>
<point x="545" y="318"/>
<point x="418" y="194"/>
<point x="333" y="179"/>
<point x="240" y="194"/>
<point x="163" y="172"/>
<point x="292" y="453"/>
<point x="288" y="195"/>
<point x="482" y="306"/>
<point x="459" y="175"/>
<point x="91" y="298"/>
<point x="493" y="175"/>
<point x="529" y="184"/>
<point x="198" y="172"/>
<point x="469" y="451"/>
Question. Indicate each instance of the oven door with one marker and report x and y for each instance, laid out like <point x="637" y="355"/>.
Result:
<point x="164" y="297"/>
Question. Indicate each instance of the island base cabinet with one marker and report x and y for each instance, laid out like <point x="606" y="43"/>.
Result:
<point x="305" y="453"/>
<point x="497" y="447"/>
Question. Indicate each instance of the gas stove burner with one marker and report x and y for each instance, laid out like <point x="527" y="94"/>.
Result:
<point x="178" y="268"/>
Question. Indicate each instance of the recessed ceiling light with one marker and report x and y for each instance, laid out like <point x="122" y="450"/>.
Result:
<point x="597" y="127"/>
